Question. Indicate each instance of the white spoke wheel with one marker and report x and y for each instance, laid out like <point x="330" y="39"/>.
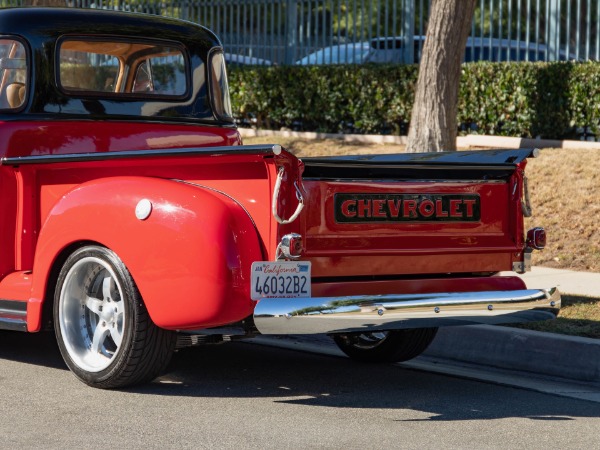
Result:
<point x="385" y="346"/>
<point x="104" y="332"/>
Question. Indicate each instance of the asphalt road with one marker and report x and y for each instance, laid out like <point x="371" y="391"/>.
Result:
<point x="241" y="395"/>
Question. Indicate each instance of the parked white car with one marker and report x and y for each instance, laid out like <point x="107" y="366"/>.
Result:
<point x="234" y="59"/>
<point x="391" y="50"/>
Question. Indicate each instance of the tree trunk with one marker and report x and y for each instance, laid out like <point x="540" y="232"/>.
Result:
<point x="433" y="125"/>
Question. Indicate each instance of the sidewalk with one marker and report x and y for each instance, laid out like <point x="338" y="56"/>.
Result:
<point x="567" y="281"/>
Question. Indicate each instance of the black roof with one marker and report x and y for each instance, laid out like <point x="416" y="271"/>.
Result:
<point x="50" y="23"/>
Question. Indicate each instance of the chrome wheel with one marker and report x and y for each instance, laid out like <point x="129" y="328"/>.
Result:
<point x="92" y="314"/>
<point x="103" y="329"/>
<point x="385" y="346"/>
<point x="368" y="341"/>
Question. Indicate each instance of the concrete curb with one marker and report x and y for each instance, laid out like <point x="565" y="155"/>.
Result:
<point x="470" y="140"/>
<point x="549" y="354"/>
<point x="562" y="358"/>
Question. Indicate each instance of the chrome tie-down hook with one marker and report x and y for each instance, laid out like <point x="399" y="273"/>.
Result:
<point x="275" y="202"/>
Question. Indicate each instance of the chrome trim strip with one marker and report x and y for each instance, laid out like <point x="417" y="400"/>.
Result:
<point x="13" y="315"/>
<point x="13" y="324"/>
<point x="104" y="156"/>
<point x="387" y="312"/>
<point x="13" y="308"/>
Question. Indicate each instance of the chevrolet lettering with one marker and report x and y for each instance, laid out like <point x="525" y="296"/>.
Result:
<point x="351" y="208"/>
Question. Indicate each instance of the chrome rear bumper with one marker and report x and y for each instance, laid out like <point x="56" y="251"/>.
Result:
<point x="388" y="312"/>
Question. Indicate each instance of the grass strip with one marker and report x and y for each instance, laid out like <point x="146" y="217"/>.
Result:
<point x="579" y="316"/>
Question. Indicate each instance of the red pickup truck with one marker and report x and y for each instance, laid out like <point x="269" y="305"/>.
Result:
<point x="134" y="219"/>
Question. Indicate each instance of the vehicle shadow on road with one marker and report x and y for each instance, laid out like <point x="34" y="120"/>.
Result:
<point x="31" y="348"/>
<point x="242" y="370"/>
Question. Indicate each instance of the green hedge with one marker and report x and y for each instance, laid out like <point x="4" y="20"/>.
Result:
<point x="550" y="100"/>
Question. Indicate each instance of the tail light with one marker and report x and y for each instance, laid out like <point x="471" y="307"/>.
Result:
<point x="536" y="238"/>
<point x="290" y="247"/>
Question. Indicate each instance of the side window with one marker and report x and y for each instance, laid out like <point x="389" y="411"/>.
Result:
<point x="143" y="78"/>
<point x="220" y="87"/>
<point x="13" y="74"/>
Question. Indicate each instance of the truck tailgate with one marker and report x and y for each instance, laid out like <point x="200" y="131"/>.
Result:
<point x="427" y="213"/>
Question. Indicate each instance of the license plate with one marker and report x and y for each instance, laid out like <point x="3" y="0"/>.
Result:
<point x="282" y="279"/>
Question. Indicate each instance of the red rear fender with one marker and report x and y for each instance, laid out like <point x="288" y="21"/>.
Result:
<point x="190" y="258"/>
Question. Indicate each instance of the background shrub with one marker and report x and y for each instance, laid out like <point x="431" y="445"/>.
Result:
<point x="549" y="100"/>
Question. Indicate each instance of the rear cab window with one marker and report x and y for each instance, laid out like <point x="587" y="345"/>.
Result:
<point x="13" y="74"/>
<point x="122" y="68"/>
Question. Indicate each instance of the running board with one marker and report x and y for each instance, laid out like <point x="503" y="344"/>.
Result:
<point x="13" y="315"/>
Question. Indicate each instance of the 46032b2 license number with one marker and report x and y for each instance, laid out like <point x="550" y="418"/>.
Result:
<point x="287" y="279"/>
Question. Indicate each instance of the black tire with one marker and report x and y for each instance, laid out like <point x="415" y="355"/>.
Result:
<point x="103" y="329"/>
<point x="385" y="346"/>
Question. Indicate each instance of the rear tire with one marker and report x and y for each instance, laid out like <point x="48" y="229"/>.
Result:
<point x="385" y="346"/>
<point x="103" y="329"/>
